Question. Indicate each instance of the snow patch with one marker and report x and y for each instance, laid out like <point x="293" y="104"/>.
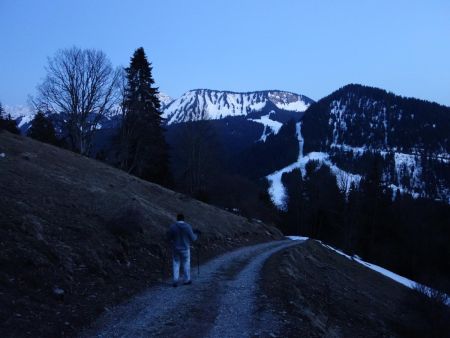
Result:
<point x="277" y="191"/>
<point x="392" y="275"/>
<point x="164" y="99"/>
<point x="299" y="106"/>
<point x="265" y="120"/>
<point x="21" y="114"/>
<point x="297" y="238"/>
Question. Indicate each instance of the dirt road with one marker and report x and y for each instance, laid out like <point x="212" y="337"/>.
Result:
<point x="221" y="302"/>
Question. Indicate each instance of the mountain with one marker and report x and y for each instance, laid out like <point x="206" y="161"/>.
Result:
<point x="248" y="135"/>
<point x="22" y="114"/>
<point x="164" y="99"/>
<point x="203" y="104"/>
<point x="241" y="122"/>
<point x="364" y="117"/>
<point x="348" y="130"/>
<point x="357" y="127"/>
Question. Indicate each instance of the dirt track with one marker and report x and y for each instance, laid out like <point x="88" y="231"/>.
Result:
<point x="221" y="302"/>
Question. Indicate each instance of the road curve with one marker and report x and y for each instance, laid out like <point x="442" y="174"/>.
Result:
<point x="221" y="302"/>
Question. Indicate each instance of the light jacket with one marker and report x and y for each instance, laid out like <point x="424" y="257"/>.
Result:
<point x="181" y="235"/>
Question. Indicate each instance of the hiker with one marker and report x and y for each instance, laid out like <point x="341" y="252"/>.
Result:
<point x="181" y="235"/>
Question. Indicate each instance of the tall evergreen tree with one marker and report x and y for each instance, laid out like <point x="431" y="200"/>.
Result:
<point x="7" y="123"/>
<point x="143" y="149"/>
<point x="42" y="129"/>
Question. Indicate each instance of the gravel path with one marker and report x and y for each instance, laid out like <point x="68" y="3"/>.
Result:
<point x="221" y="302"/>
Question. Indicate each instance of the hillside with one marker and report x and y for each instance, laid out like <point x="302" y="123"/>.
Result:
<point x="78" y="236"/>
<point x="322" y="294"/>
<point x="357" y="126"/>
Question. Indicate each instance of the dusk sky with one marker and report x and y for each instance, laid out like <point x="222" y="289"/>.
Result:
<point x="307" y="47"/>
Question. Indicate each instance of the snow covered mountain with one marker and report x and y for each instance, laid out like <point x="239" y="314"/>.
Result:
<point x="359" y="131"/>
<point x="202" y="104"/>
<point x="165" y="100"/>
<point x="22" y="114"/>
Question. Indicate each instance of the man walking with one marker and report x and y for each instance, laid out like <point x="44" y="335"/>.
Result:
<point x="181" y="235"/>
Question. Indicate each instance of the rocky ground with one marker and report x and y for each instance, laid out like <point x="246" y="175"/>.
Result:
<point x="78" y="236"/>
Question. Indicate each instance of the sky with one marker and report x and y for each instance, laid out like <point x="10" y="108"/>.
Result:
<point x="308" y="47"/>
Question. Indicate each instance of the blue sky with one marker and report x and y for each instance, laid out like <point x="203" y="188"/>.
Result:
<point x="309" y="47"/>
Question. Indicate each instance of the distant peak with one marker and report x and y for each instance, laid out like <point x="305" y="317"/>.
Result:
<point x="200" y="104"/>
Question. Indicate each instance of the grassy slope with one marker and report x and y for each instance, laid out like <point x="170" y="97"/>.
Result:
<point x="327" y="295"/>
<point x="55" y="211"/>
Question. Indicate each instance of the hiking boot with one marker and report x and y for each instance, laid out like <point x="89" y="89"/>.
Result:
<point x="189" y="282"/>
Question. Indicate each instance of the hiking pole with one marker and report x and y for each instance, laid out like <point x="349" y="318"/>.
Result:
<point x="198" y="260"/>
<point x="163" y="268"/>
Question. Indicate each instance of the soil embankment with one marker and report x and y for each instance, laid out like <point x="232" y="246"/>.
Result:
<point x="323" y="294"/>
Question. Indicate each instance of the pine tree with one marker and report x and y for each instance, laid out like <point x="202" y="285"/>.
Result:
<point x="144" y="151"/>
<point x="7" y="123"/>
<point x="42" y="129"/>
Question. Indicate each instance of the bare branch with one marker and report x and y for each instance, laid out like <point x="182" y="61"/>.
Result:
<point x="82" y="85"/>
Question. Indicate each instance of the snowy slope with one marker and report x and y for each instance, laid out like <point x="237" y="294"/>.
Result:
<point x="22" y="114"/>
<point x="164" y="99"/>
<point x="277" y="190"/>
<point x="408" y="138"/>
<point x="389" y="274"/>
<point x="270" y="126"/>
<point x="204" y="104"/>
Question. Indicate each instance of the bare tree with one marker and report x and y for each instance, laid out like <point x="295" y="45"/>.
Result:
<point x="343" y="180"/>
<point x="82" y="85"/>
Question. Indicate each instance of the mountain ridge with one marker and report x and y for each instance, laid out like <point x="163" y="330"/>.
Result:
<point x="200" y="104"/>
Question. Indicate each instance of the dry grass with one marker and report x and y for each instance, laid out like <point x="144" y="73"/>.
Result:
<point x="327" y="295"/>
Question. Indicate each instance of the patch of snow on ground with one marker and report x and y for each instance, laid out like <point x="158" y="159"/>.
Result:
<point x="344" y="178"/>
<point x="297" y="238"/>
<point x="399" y="279"/>
<point x="301" y="141"/>
<point x="299" y="106"/>
<point x="408" y="164"/>
<point x="277" y="191"/>
<point x="268" y="124"/>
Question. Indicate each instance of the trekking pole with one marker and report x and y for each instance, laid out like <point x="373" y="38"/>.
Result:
<point x="163" y="269"/>
<point x="198" y="260"/>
